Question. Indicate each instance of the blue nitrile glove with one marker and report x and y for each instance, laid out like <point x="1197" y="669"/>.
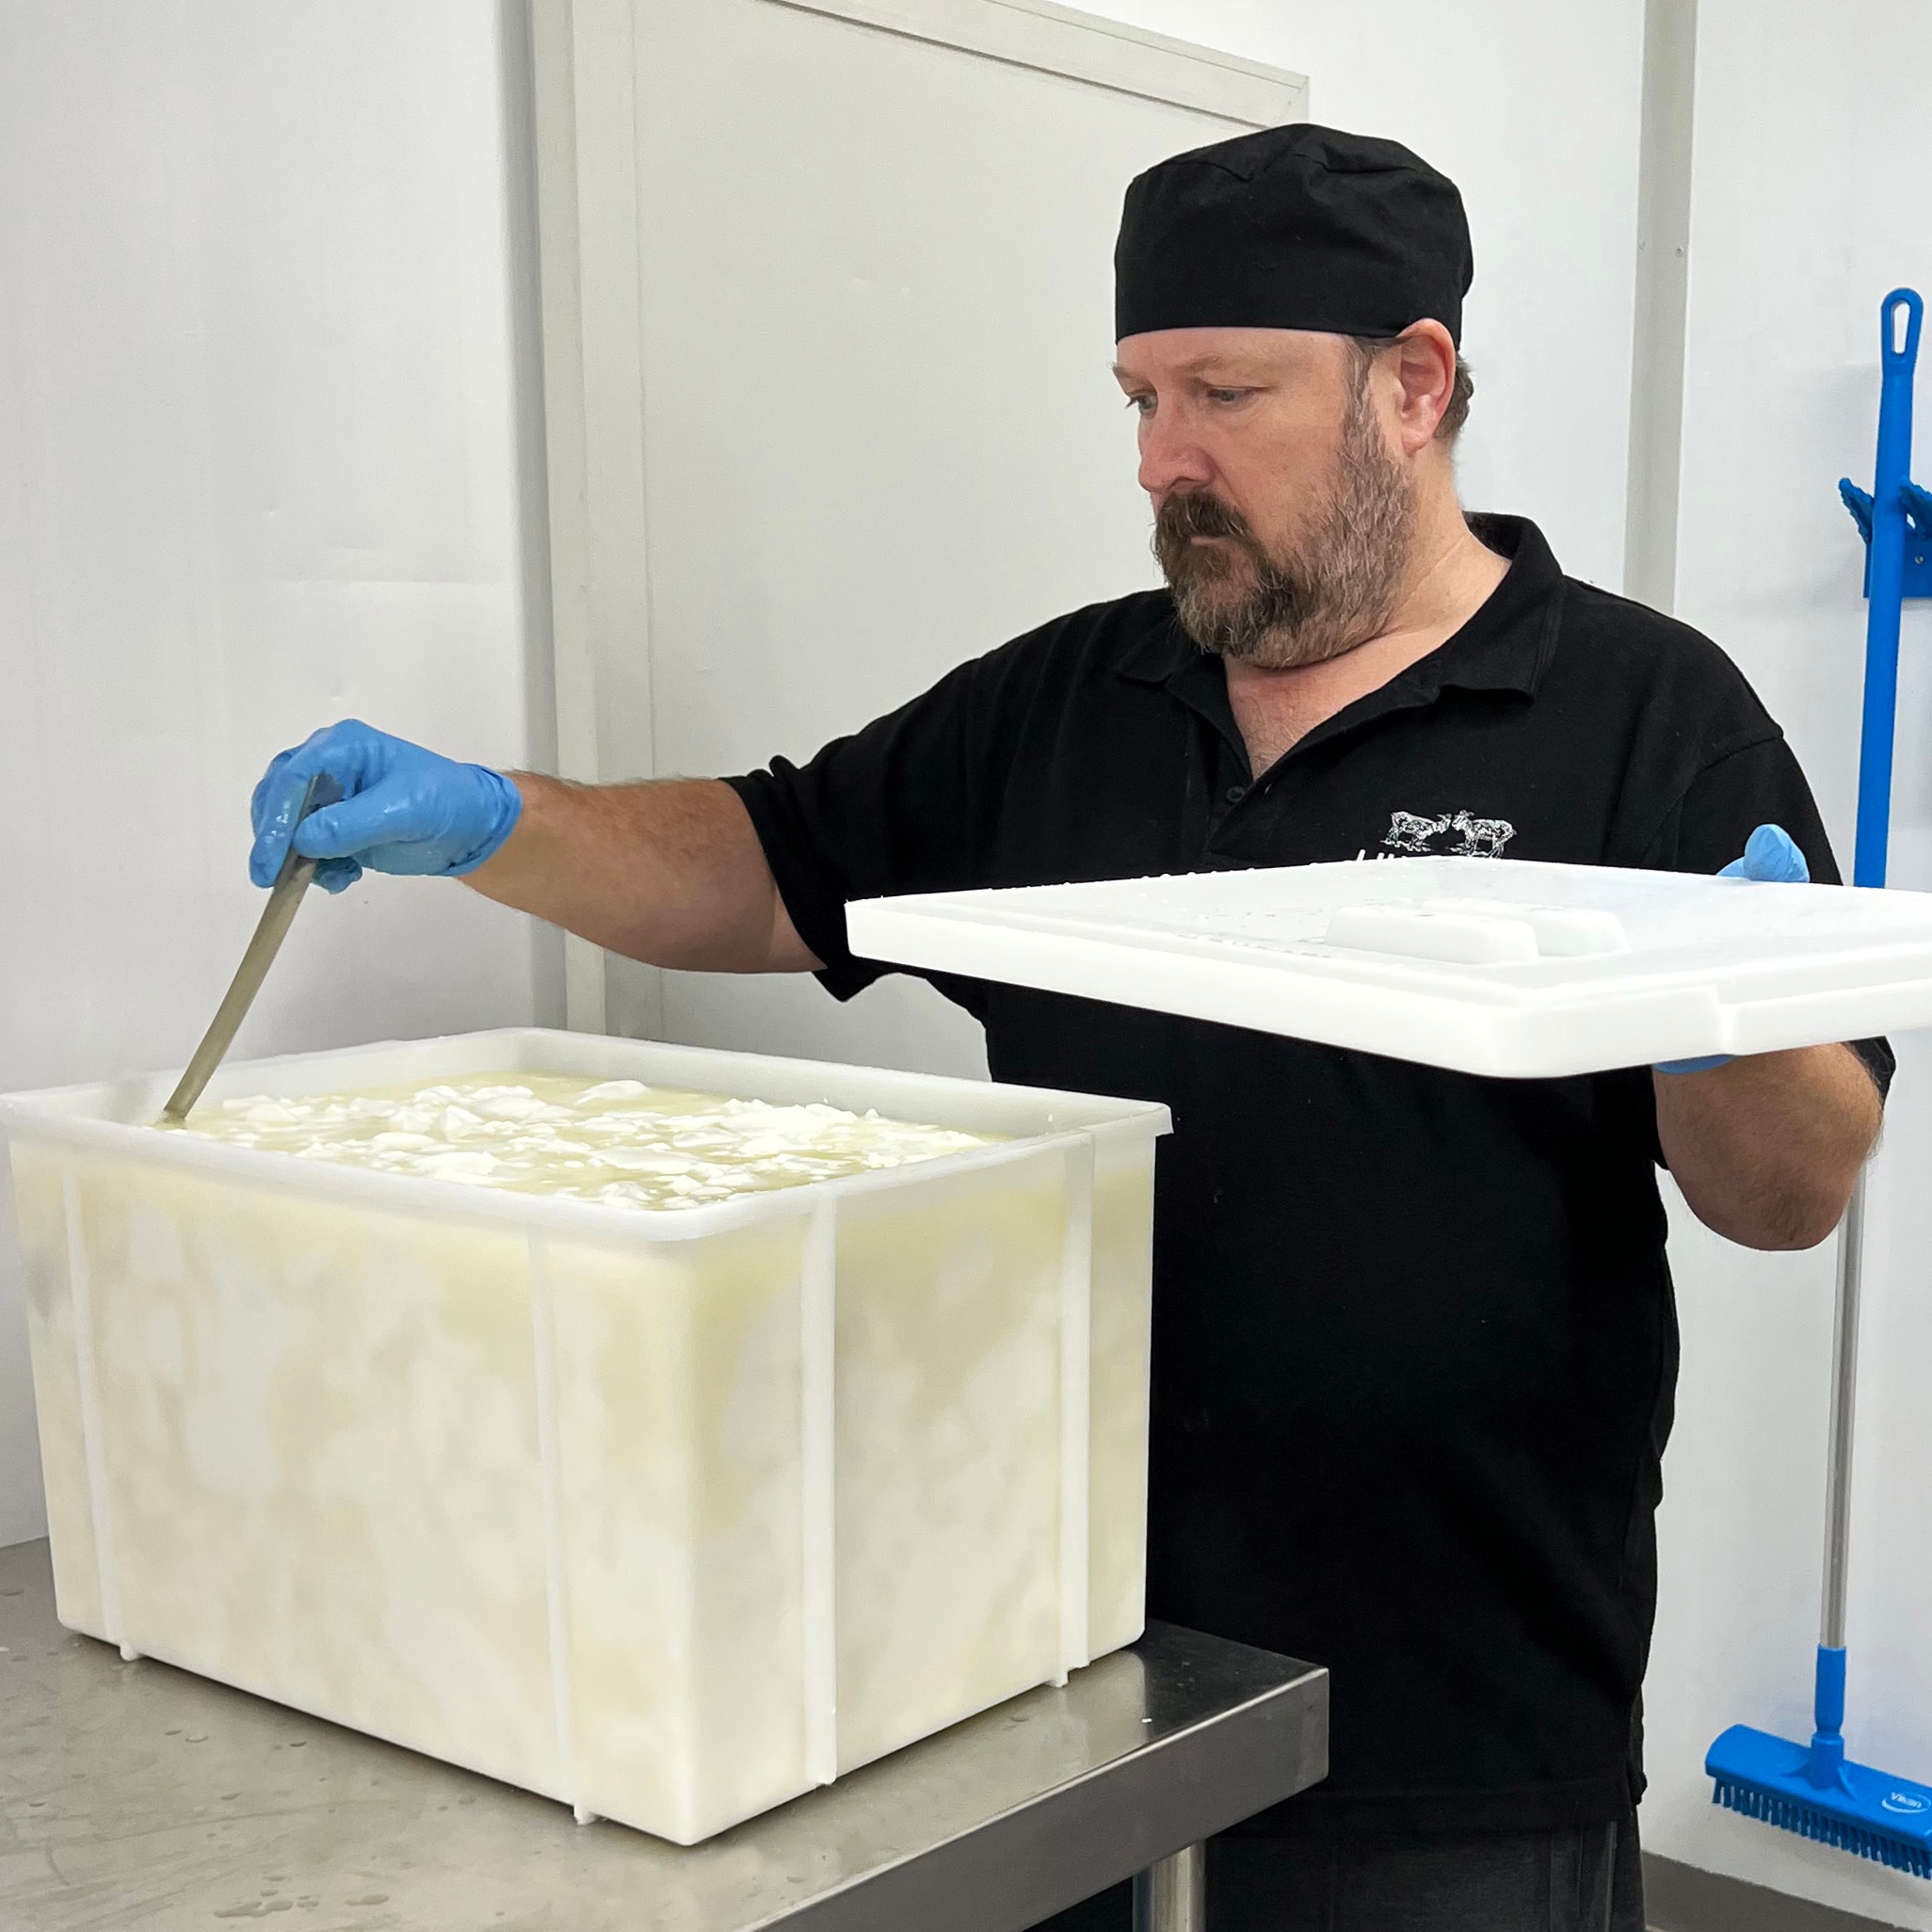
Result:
<point x="403" y="809"/>
<point x="1770" y="855"/>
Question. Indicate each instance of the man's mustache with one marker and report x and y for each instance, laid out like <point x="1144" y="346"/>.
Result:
<point x="1182" y="519"/>
<point x="1196" y="513"/>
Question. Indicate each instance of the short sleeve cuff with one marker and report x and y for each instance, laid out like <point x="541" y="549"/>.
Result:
<point x="1880" y="1062"/>
<point x="811" y="892"/>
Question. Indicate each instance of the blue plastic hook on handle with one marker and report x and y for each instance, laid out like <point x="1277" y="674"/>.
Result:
<point x="1899" y="317"/>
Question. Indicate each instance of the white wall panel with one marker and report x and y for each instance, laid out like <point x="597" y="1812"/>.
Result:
<point x="1805" y="211"/>
<point x="258" y="470"/>
<point x="1534" y="110"/>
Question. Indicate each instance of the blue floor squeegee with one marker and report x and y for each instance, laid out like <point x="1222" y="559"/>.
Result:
<point x="1813" y="1789"/>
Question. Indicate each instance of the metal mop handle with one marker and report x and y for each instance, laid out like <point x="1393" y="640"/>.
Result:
<point x="1845" y="1386"/>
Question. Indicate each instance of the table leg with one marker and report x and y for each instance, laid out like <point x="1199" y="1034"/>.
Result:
<point x="1172" y="1896"/>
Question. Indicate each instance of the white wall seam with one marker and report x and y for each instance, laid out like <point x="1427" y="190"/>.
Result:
<point x="1662" y="288"/>
<point x="649" y="1013"/>
<point x="516" y="55"/>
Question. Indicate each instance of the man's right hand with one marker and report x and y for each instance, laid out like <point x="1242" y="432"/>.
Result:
<point x="671" y="873"/>
<point x="403" y="809"/>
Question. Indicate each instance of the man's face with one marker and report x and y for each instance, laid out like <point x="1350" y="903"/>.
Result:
<point x="1281" y="518"/>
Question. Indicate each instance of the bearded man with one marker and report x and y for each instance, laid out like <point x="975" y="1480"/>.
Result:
<point x="1414" y="1344"/>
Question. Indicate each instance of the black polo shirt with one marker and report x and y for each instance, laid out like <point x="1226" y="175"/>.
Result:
<point x="1414" y="1340"/>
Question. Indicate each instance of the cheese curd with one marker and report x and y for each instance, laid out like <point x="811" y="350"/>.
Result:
<point x="619" y="1142"/>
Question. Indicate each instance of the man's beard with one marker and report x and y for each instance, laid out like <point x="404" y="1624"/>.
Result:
<point x="1334" y="590"/>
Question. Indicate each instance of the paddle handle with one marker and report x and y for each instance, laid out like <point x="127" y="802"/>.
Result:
<point x="284" y="899"/>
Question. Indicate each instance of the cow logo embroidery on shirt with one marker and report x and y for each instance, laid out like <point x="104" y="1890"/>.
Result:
<point x="1475" y="838"/>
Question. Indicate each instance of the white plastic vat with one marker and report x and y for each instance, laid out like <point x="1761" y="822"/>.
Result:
<point x="667" y="1516"/>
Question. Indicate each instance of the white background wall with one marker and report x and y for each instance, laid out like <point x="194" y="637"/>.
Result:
<point x="1803" y="213"/>
<point x="260" y="434"/>
<point x="259" y="469"/>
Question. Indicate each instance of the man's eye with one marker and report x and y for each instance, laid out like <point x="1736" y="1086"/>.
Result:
<point x="1141" y="405"/>
<point x="1229" y="395"/>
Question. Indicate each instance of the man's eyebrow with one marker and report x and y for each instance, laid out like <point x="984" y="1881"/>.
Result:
<point x="1200" y="365"/>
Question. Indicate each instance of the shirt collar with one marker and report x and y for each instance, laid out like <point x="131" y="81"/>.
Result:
<point x="1505" y="646"/>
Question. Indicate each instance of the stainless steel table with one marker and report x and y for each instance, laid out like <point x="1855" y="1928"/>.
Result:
<point x="134" y="1795"/>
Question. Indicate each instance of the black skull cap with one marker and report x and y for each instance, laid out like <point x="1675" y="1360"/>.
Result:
<point x="1298" y="226"/>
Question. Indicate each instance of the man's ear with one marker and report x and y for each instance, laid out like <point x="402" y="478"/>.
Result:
<point x="1424" y="357"/>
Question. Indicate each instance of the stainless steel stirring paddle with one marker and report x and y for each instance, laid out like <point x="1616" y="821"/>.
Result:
<point x="291" y="882"/>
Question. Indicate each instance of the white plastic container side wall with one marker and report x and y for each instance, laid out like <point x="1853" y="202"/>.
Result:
<point x="669" y="1517"/>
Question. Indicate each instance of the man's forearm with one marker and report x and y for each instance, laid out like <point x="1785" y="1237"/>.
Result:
<point x="669" y="872"/>
<point x="1766" y="1148"/>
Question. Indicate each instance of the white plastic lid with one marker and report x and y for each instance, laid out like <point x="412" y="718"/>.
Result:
<point x="1493" y="966"/>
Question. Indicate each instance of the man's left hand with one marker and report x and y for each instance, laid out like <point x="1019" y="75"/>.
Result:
<point x="1771" y="856"/>
<point x="1766" y="1147"/>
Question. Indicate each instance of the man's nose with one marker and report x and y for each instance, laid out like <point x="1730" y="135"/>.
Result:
<point x="1172" y="459"/>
